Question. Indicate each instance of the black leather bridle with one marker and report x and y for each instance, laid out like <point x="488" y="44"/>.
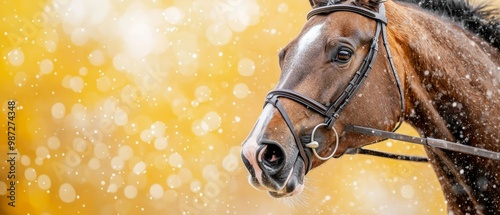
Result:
<point x="332" y="112"/>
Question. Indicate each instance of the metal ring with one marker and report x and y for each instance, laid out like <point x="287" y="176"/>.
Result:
<point x="314" y="144"/>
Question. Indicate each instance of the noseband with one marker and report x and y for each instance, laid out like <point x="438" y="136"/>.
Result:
<point x="332" y="112"/>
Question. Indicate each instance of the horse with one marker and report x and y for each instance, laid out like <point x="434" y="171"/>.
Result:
<point x="359" y="68"/>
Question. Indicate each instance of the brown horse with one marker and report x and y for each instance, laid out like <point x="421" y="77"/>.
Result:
<point x="374" y="64"/>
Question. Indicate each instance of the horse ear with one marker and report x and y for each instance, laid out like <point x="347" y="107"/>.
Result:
<point x="318" y="3"/>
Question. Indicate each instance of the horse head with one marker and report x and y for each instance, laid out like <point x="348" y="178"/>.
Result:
<point x="304" y="119"/>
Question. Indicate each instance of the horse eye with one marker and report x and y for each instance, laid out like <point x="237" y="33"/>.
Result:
<point x="343" y="56"/>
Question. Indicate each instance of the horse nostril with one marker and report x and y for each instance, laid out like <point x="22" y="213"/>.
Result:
<point x="273" y="158"/>
<point x="273" y="155"/>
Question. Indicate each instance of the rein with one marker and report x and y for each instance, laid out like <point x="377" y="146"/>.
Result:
<point x="426" y="141"/>
<point x="332" y="112"/>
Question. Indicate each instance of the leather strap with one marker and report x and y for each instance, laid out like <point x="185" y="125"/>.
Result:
<point x="303" y="154"/>
<point x="386" y="155"/>
<point x="443" y="144"/>
<point x="356" y="81"/>
<point x="380" y="17"/>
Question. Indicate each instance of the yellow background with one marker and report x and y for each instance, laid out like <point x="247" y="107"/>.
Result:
<point x="128" y="107"/>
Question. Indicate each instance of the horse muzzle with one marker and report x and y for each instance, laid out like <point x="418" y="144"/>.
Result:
<point x="270" y="169"/>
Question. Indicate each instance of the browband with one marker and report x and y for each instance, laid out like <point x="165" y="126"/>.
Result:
<point x="380" y="16"/>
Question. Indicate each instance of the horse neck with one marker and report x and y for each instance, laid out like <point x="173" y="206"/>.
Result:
<point x="451" y="77"/>
<point x="451" y="86"/>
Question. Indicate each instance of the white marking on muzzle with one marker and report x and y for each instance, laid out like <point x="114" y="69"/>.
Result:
<point x="251" y="144"/>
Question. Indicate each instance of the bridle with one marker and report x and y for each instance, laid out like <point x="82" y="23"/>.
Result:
<point x="332" y="112"/>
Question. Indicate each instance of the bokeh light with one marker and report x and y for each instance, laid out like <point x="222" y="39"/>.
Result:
<point x="129" y="106"/>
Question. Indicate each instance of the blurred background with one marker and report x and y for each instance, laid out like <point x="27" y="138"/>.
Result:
<point x="129" y="107"/>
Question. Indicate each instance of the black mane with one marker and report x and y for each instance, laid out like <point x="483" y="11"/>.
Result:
<point x="481" y="19"/>
<point x="478" y="19"/>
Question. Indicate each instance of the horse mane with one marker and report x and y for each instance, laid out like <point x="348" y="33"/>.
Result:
<point x="481" y="19"/>
<point x="478" y="18"/>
